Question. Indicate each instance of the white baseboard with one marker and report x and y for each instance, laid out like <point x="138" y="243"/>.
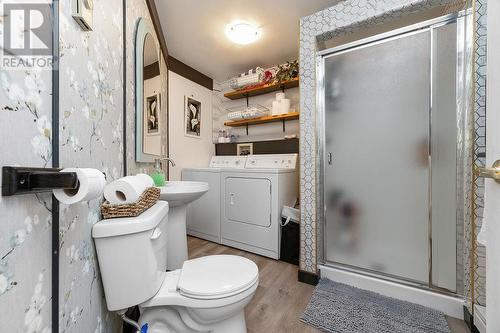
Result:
<point x="449" y="305"/>
<point x="480" y="318"/>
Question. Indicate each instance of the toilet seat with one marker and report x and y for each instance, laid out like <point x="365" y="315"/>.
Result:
<point x="216" y="276"/>
<point x="207" y="282"/>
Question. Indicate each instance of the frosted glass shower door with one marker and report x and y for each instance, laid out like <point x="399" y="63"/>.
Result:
<point x="377" y="108"/>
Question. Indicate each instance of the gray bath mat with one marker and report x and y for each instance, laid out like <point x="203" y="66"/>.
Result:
<point x="339" y="308"/>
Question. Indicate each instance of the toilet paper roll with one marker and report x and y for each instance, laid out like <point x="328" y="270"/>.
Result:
<point x="146" y="179"/>
<point x="280" y="96"/>
<point x="125" y="190"/>
<point x="284" y="106"/>
<point x="276" y="109"/>
<point x="91" y="184"/>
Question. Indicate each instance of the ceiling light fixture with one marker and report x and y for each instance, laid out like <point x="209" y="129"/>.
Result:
<point x="242" y="33"/>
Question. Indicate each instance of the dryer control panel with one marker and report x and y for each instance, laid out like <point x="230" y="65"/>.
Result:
<point x="272" y="161"/>
<point x="233" y="162"/>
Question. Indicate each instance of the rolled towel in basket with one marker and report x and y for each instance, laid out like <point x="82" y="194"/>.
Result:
<point x="125" y="190"/>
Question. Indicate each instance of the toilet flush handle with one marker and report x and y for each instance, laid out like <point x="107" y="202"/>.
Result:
<point x="156" y="233"/>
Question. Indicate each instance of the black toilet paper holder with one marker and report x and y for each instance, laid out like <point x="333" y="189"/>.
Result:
<point x="24" y="180"/>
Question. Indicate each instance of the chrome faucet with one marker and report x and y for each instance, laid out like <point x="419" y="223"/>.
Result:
<point x="158" y="162"/>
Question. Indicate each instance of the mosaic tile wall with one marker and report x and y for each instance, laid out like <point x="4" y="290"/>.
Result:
<point x="324" y="25"/>
<point x="474" y="254"/>
<point x="480" y="148"/>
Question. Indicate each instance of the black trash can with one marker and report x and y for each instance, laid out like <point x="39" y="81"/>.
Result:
<point x="290" y="235"/>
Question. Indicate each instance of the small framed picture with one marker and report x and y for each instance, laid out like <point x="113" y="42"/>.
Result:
<point x="192" y="114"/>
<point x="152" y="114"/>
<point x="243" y="149"/>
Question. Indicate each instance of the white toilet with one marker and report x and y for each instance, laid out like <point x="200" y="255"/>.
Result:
<point x="207" y="294"/>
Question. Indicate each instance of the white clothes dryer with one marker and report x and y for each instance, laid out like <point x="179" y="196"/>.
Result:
<point x="252" y="199"/>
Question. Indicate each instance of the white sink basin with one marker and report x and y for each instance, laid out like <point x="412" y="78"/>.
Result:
<point x="179" y="193"/>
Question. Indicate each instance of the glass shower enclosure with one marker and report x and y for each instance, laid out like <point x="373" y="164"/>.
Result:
<point x="391" y="129"/>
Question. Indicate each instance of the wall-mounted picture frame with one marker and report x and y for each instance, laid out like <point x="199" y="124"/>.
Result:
<point x="152" y="114"/>
<point x="243" y="149"/>
<point x="192" y="115"/>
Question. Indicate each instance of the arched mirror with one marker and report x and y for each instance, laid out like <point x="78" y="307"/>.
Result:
<point x="149" y="117"/>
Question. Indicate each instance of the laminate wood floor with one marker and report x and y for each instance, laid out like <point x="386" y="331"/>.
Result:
<point x="280" y="299"/>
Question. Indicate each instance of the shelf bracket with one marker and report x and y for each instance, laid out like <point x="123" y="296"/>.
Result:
<point x="247" y="128"/>
<point x="246" y="96"/>
<point x="283" y="125"/>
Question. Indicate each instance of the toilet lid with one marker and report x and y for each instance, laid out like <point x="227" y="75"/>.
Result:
<point x="216" y="276"/>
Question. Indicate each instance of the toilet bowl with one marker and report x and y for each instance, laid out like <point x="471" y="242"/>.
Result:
<point x="207" y="294"/>
<point x="197" y="299"/>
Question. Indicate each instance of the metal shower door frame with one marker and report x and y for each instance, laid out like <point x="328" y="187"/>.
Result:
<point x="428" y="25"/>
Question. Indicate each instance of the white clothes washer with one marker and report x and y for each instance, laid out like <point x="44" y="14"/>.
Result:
<point x="203" y="215"/>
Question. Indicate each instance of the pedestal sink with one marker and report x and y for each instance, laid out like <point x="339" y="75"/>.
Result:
<point x="179" y="194"/>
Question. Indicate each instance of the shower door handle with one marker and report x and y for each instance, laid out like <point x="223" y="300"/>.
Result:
<point x="329" y="158"/>
<point x="493" y="172"/>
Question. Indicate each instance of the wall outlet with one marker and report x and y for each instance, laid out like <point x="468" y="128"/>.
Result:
<point x="83" y="12"/>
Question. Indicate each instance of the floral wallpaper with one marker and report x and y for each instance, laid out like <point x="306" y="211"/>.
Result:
<point x="25" y="223"/>
<point x="91" y="135"/>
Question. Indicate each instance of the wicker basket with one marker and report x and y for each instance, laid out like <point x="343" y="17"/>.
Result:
<point x="146" y="200"/>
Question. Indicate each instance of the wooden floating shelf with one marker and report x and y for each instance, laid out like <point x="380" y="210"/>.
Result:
<point x="263" y="120"/>
<point x="249" y="92"/>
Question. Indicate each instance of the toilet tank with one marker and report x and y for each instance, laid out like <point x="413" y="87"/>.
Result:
<point x="132" y="255"/>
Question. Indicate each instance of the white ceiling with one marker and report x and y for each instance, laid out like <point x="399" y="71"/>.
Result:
<point x="194" y="32"/>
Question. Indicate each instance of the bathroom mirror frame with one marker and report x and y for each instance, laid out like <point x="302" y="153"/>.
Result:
<point x="143" y="30"/>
